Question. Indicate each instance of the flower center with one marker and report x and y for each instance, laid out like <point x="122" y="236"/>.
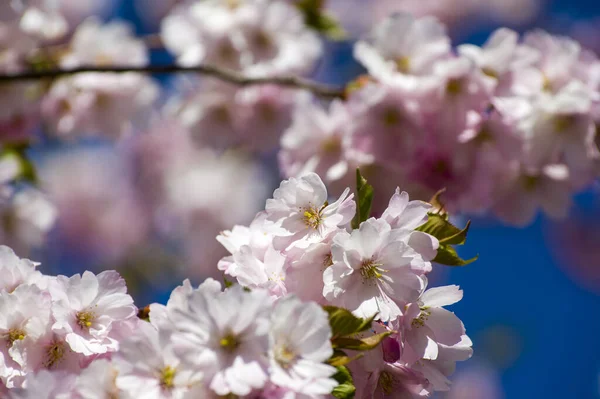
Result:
<point x="391" y="117"/>
<point x="331" y="145"/>
<point x="564" y="122"/>
<point x="369" y="269"/>
<point x="490" y="72"/>
<point x="386" y="382"/>
<point x="85" y="319"/>
<point x="284" y="356"/>
<point x="328" y="260"/>
<point x="420" y="320"/>
<point x="229" y="342"/>
<point x="403" y="64"/>
<point x="15" y="334"/>
<point x="312" y="217"/>
<point x="167" y="376"/>
<point x="530" y="182"/>
<point x="454" y="86"/>
<point x="55" y="352"/>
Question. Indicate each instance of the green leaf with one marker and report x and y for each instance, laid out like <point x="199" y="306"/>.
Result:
<point x="447" y="256"/>
<point x="345" y="389"/>
<point x="364" y="200"/>
<point x="27" y="170"/>
<point x="459" y="238"/>
<point x="316" y="18"/>
<point x="360" y="344"/>
<point x="439" y="227"/>
<point x="343" y="322"/>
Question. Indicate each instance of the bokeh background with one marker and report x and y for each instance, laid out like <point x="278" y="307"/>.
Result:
<point x="532" y="301"/>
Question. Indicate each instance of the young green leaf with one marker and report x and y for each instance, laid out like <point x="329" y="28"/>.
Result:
<point x="364" y="200"/>
<point x="439" y="227"/>
<point x="447" y="256"/>
<point x="316" y="18"/>
<point x="346" y="388"/>
<point x="344" y="323"/>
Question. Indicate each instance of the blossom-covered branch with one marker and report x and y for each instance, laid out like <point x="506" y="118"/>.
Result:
<point x="224" y="74"/>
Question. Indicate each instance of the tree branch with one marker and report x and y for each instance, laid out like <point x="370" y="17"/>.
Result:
<point x="227" y="75"/>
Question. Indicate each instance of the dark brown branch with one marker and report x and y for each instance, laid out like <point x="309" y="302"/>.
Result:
<point x="208" y="70"/>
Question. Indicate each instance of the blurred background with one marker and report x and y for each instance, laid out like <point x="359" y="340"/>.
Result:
<point x="532" y="301"/>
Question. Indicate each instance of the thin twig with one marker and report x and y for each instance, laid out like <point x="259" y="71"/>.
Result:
<point x="227" y="75"/>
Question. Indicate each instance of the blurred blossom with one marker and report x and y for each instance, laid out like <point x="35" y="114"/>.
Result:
<point x="575" y="244"/>
<point x="206" y="195"/>
<point x="111" y="44"/>
<point x="358" y="16"/>
<point x="99" y="212"/>
<point x="102" y="104"/>
<point x="221" y="115"/>
<point x="194" y="192"/>
<point x="508" y="127"/>
<point x="76" y="11"/>
<point x="257" y="37"/>
<point x="105" y="104"/>
<point x="26" y="217"/>
<point x="476" y="381"/>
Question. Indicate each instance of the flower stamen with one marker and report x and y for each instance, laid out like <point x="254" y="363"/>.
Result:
<point x="229" y="342"/>
<point x="312" y="217"/>
<point x="85" y="319"/>
<point x="369" y="269"/>
<point x="55" y="353"/>
<point x="167" y="376"/>
<point x="15" y="334"/>
<point x="284" y="356"/>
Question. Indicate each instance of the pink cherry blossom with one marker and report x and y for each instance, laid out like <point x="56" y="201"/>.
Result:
<point x="374" y="271"/>
<point x="300" y="205"/>
<point x="92" y="311"/>
<point x="300" y="345"/>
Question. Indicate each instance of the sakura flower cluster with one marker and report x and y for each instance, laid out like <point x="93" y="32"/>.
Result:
<point x="258" y="38"/>
<point x="303" y="245"/>
<point x="507" y="128"/>
<point x="58" y="323"/>
<point x="79" y="337"/>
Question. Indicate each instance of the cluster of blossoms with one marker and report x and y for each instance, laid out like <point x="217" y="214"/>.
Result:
<point x="358" y="16"/>
<point x="303" y="245"/>
<point x="258" y="38"/>
<point x="509" y="127"/>
<point x="80" y="337"/>
<point x="267" y="337"/>
<point x="26" y="214"/>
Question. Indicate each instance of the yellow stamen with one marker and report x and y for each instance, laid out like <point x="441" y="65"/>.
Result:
<point x="15" y="334"/>
<point x="85" y="319"/>
<point x="167" y="376"/>
<point x="370" y="270"/>
<point x="386" y="382"/>
<point x="403" y="64"/>
<point x="55" y="352"/>
<point x="229" y="342"/>
<point x="284" y="356"/>
<point x="454" y="86"/>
